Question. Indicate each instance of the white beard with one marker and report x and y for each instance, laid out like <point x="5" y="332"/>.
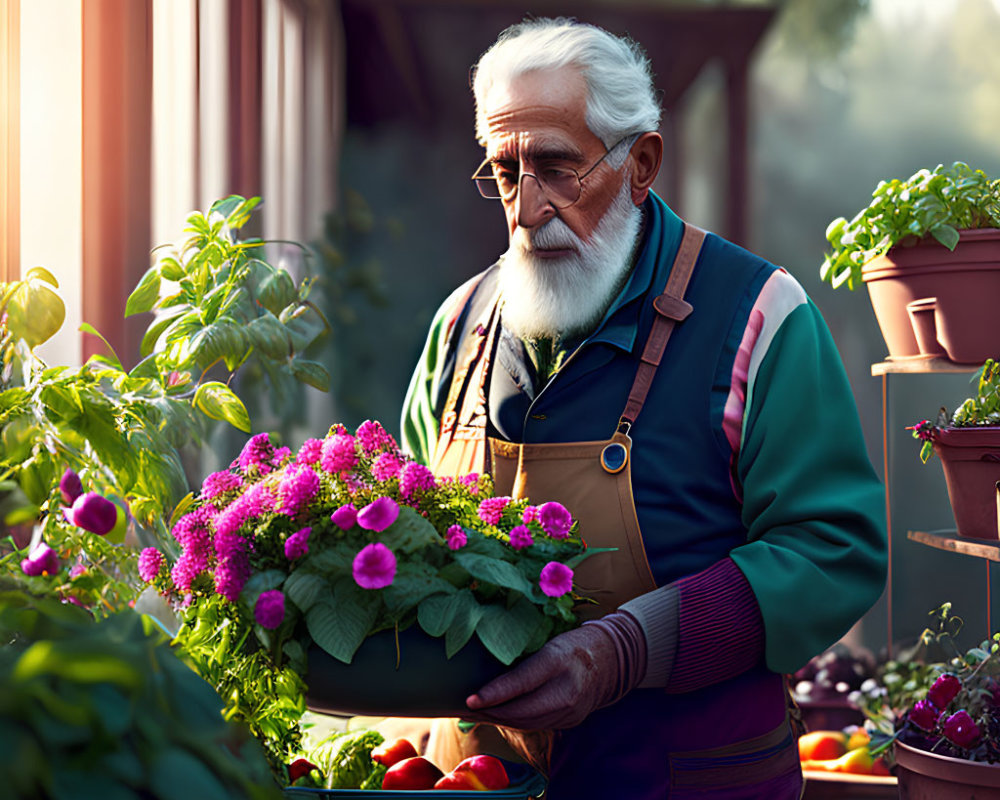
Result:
<point x="557" y="298"/>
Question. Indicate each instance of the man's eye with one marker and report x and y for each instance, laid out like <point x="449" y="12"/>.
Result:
<point x="556" y="174"/>
<point x="505" y="177"/>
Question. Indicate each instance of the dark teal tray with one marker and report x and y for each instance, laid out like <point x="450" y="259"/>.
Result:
<point x="525" y="783"/>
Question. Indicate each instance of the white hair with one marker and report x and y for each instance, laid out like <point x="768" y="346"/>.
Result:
<point x="621" y="98"/>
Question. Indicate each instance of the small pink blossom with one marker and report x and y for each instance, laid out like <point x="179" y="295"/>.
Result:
<point x="150" y="561"/>
<point x="77" y="570"/>
<point x="345" y="517"/>
<point x="471" y="482"/>
<point x="456" y="537"/>
<point x="556" y="579"/>
<point x="529" y="515"/>
<point x="520" y="537"/>
<point x="373" y="437"/>
<point x="94" y="513"/>
<point x="555" y="519"/>
<point x="491" y="509"/>
<point x="219" y="483"/>
<point x="374" y="567"/>
<point x="70" y="487"/>
<point x="297" y="545"/>
<point x="255" y="457"/>
<point x="379" y="514"/>
<point x="386" y="467"/>
<point x="297" y="488"/>
<point x="944" y="690"/>
<point x="310" y="452"/>
<point x="338" y="453"/>
<point x="269" y="610"/>
<point x="42" y="560"/>
<point x="415" y="478"/>
<point x="961" y="729"/>
<point x="924" y="715"/>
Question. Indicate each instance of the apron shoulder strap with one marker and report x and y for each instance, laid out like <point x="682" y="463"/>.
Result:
<point x="671" y="308"/>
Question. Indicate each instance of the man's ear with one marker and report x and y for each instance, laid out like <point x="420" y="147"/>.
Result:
<point x="647" y="155"/>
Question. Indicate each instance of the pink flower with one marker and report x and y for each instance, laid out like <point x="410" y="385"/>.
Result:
<point x="338" y="453"/>
<point x="297" y="488"/>
<point x="150" y="561"/>
<point x="374" y="567"/>
<point x="386" y="467"/>
<point x="42" y="560"/>
<point x="520" y="537"/>
<point x="233" y="567"/>
<point x="379" y="514"/>
<point x="555" y="519"/>
<point x="77" y="570"/>
<point x="94" y="513"/>
<point x="491" y="509"/>
<point x="944" y="690"/>
<point x="456" y="537"/>
<point x="345" y="517"/>
<point x="529" y="515"/>
<point x="310" y="452"/>
<point x="256" y="455"/>
<point x="219" y="483"/>
<point x="961" y="729"/>
<point x="70" y="487"/>
<point x="471" y="482"/>
<point x="297" y="545"/>
<point x="280" y="455"/>
<point x="924" y="715"/>
<point x="415" y="478"/>
<point x="269" y="610"/>
<point x="556" y="579"/>
<point x="373" y="437"/>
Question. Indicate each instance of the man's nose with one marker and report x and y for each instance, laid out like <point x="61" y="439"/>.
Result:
<point x="532" y="207"/>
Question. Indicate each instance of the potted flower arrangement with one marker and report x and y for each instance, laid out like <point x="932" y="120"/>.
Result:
<point x="928" y="249"/>
<point x="349" y="565"/>
<point x="936" y="711"/>
<point x="968" y="444"/>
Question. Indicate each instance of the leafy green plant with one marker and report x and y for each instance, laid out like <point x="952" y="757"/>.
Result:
<point x="105" y="709"/>
<point x="983" y="408"/>
<point x="936" y="203"/>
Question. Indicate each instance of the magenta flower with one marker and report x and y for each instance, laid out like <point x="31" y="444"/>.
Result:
<point x="150" y="561"/>
<point x="297" y="545"/>
<point x="374" y="567"/>
<point x="961" y="729"/>
<point x="924" y="715"/>
<point x="456" y="537"/>
<point x="386" y="467"/>
<point x="491" y="509"/>
<point x="555" y="519"/>
<point x="529" y="515"/>
<point x="219" y="483"/>
<point x="520" y="537"/>
<point x="232" y="569"/>
<point x="556" y="579"/>
<point x="77" y="570"/>
<point x="373" y="437"/>
<point x="297" y="488"/>
<point x="255" y="457"/>
<point x="415" y="478"/>
<point x="269" y="610"/>
<point x="345" y="516"/>
<point x="379" y="514"/>
<point x="338" y="453"/>
<point x="94" y="513"/>
<point x="471" y="482"/>
<point x="70" y="487"/>
<point x="280" y="455"/>
<point x="310" y="452"/>
<point x="944" y="690"/>
<point x="42" y="560"/>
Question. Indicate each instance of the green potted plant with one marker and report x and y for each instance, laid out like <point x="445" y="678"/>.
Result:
<point x="928" y="249"/>
<point x="968" y="444"/>
<point x="934" y="710"/>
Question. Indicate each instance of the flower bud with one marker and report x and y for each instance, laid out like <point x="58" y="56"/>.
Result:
<point x="94" y="513"/>
<point x="924" y="715"/>
<point x="70" y="487"/>
<point x="944" y="690"/>
<point x="42" y="559"/>
<point x="961" y="729"/>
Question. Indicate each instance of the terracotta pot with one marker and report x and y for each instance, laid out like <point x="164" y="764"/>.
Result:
<point x="965" y="282"/>
<point x="928" y="776"/>
<point x="971" y="461"/>
<point x="922" y="319"/>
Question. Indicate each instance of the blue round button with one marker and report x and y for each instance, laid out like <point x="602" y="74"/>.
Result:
<point x="614" y="457"/>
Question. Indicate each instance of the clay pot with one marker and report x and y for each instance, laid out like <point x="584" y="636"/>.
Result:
<point x="971" y="461"/>
<point x="928" y="776"/>
<point x="965" y="283"/>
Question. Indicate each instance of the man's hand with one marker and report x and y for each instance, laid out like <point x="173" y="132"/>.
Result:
<point x="574" y="674"/>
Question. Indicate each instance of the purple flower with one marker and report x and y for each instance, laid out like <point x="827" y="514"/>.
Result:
<point x="520" y="537"/>
<point x="256" y="455"/>
<point x="280" y="455"/>
<point x="40" y="561"/>
<point x="556" y="579"/>
<point x="77" y="570"/>
<point x="415" y="478"/>
<point x="269" y="610"/>
<point x="961" y="729"/>
<point x="194" y="558"/>
<point x="944" y="690"/>
<point x="456" y="537"/>
<point x="297" y="488"/>
<point x="150" y="561"/>
<point x="471" y="482"/>
<point x="297" y="545"/>
<point x="219" y="483"/>
<point x="233" y="567"/>
<point x="94" y="513"/>
<point x="529" y="515"/>
<point x="70" y="487"/>
<point x="374" y="567"/>
<point x="386" y="467"/>
<point x="555" y="519"/>
<point x="338" y="453"/>
<point x="345" y="517"/>
<point x="373" y="437"/>
<point x="924" y="715"/>
<point x="491" y="509"/>
<point x="310" y="452"/>
<point x="379" y="514"/>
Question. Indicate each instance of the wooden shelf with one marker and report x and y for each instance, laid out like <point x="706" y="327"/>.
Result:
<point x="920" y="364"/>
<point x="842" y="786"/>
<point x="950" y="540"/>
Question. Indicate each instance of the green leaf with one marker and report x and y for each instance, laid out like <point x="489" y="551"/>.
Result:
<point x="312" y="373"/>
<point x="156" y="328"/>
<point x="269" y="336"/>
<point x="436" y="613"/>
<point x="413" y="582"/>
<point x="34" y="311"/>
<point x="340" y="624"/>
<point x="176" y="774"/>
<point x="217" y="401"/>
<point x="220" y="340"/>
<point x="304" y="588"/>
<point x="468" y="612"/>
<point x="506" y="633"/>
<point x="145" y="294"/>
<point x="86" y="327"/>
<point x="946" y="235"/>
<point x="502" y="573"/>
<point x="276" y="291"/>
<point x="171" y="268"/>
<point x="410" y="532"/>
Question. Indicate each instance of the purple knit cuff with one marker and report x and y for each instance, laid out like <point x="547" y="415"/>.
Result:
<point x="720" y="632"/>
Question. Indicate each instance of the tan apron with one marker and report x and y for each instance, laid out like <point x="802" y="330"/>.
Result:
<point x="573" y="473"/>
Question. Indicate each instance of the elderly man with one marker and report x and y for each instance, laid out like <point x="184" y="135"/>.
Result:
<point x="685" y="400"/>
